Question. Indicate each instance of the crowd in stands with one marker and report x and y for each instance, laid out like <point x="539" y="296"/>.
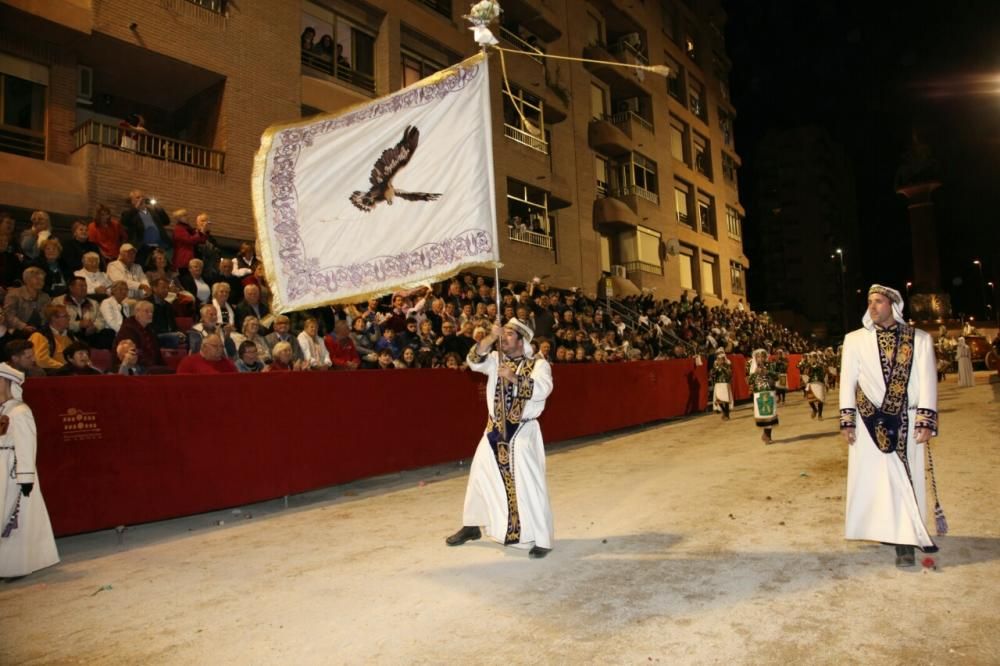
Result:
<point x="152" y="292"/>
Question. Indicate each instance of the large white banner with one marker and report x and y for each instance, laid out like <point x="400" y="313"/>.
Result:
<point x="385" y="196"/>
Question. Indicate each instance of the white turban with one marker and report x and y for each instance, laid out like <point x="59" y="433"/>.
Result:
<point x="894" y="297"/>
<point x="16" y="378"/>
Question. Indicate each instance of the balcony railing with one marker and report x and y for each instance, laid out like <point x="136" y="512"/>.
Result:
<point x="623" y="47"/>
<point x="516" y="40"/>
<point x="149" y="145"/>
<point x="340" y="72"/>
<point x="217" y="6"/>
<point x="530" y="237"/>
<point x="622" y="119"/>
<point x="641" y="192"/>
<point x="526" y="139"/>
<point x="643" y="267"/>
<point x="22" y="142"/>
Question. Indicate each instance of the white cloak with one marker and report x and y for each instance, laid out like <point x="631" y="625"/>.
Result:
<point x="966" y="377"/>
<point x="882" y="505"/>
<point x="31" y="545"/>
<point x="722" y="392"/>
<point x="818" y="389"/>
<point x="485" y="496"/>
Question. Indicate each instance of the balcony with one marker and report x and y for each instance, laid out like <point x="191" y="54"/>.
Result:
<point x="442" y="7"/>
<point x="628" y="53"/>
<point x="148" y="145"/>
<point x="530" y="237"/>
<point x="611" y="215"/>
<point x="217" y="6"/>
<point x="638" y="193"/>
<point x="607" y="139"/>
<point x="536" y="16"/>
<point x="632" y="267"/>
<point x="526" y="139"/>
<point x="627" y="121"/>
<point x="341" y="73"/>
<point x="623" y="82"/>
<point x="515" y="40"/>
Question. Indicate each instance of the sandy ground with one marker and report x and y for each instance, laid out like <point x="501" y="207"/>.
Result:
<point x="688" y="542"/>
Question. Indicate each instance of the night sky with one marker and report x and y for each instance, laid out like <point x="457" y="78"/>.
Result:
<point x="871" y="73"/>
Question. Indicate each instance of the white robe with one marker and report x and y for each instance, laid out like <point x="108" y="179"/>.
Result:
<point x="31" y="545"/>
<point x="882" y="505"/>
<point x="485" y="496"/>
<point x="965" y="373"/>
<point x="722" y="392"/>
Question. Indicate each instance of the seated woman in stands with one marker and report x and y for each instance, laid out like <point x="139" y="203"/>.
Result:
<point x="251" y="333"/>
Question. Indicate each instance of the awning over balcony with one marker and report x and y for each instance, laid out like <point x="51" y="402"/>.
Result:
<point x="607" y="139"/>
<point x="612" y="215"/>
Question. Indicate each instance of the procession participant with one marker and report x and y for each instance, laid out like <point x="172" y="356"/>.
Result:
<point x="722" y="379"/>
<point x="888" y="376"/>
<point x="761" y="380"/>
<point x="814" y="375"/>
<point x="966" y="377"/>
<point x="507" y="491"/>
<point x="779" y="366"/>
<point x="26" y="540"/>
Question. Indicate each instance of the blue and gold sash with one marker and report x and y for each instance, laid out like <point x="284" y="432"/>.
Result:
<point x="887" y="423"/>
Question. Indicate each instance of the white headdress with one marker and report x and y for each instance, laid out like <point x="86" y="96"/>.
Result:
<point x="526" y="334"/>
<point x="894" y="297"/>
<point x="16" y="378"/>
<point x="753" y="359"/>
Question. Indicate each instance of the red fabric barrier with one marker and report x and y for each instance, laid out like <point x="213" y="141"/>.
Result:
<point x="119" y="450"/>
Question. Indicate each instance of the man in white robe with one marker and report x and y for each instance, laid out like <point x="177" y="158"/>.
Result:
<point x="886" y="493"/>
<point x="507" y="492"/>
<point x="966" y="376"/>
<point x="26" y="540"/>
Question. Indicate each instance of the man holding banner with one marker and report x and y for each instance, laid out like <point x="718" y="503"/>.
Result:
<point x="507" y="491"/>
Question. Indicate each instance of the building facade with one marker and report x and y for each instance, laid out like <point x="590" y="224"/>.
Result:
<point x="604" y="175"/>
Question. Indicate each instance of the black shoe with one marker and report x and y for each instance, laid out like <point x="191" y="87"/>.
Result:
<point x="537" y="552"/>
<point x="905" y="556"/>
<point x="463" y="535"/>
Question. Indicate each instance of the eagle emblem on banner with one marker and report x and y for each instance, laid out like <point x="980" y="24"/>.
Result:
<point x="390" y="163"/>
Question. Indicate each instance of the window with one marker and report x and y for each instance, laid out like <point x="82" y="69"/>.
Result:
<point x="696" y="99"/>
<point x="721" y="71"/>
<point x="528" y="219"/>
<point x="598" y="102"/>
<point x="23" y="86"/>
<point x="675" y="80"/>
<point x="736" y="279"/>
<point x="690" y="45"/>
<point x="524" y="120"/>
<point x="595" y="30"/>
<point x="416" y="67"/>
<point x="682" y="192"/>
<point x="728" y="168"/>
<point x="603" y="175"/>
<point x="733" y="223"/>
<point x="726" y="125"/>
<point x="605" y="254"/>
<point x="640" y="250"/>
<point x="442" y="7"/>
<point x="685" y="260"/>
<point x="706" y="213"/>
<point x="668" y="19"/>
<point x="421" y="56"/>
<point x="638" y="177"/>
<point x="338" y="46"/>
<point x="678" y="140"/>
<point x="709" y="283"/>
<point x="702" y="155"/>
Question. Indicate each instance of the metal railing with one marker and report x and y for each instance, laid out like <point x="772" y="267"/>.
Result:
<point x="530" y="237"/>
<point x="19" y="141"/>
<point x="516" y="40"/>
<point x="524" y="138"/>
<point x="622" y="118"/>
<point x="148" y="145"/>
<point x="623" y="47"/>
<point x="217" y="6"/>
<point x="643" y="267"/>
<point x="641" y="192"/>
<point x="340" y="72"/>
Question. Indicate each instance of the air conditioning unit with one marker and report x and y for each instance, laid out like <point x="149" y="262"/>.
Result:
<point x="630" y="104"/>
<point x="84" y="84"/>
<point x="618" y="269"/>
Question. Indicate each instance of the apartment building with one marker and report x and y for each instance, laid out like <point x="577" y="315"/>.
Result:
<point x="604" y="175"/>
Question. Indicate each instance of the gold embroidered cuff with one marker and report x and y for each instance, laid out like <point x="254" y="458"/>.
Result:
<point x="848" y="417"/>
<point x="474" y="357"/>
<point x="927" y="418"/>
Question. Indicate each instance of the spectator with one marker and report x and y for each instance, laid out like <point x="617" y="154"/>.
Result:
<point x="407" y="359"/>
<point x="116" y="309"/>
<point x="250" y="332"/>
<point x="21" y="355"/>
<point x="340" y="345"/>
<point x="23" y="305"/>
<point x="251" y="306"/>
<point x="209" y="360"/>
<point x="246" y="261"/>
<point x="207" y="250"/>
<point x="146" y="227"/>
<point x="128" y="358"/>
<point x="364" y="335"/>
<point x="385" y="360"/>
<point x="50" y="261"/>
<point x="164" y="325"/>
<point x="324" y="48"/>
<point x="186" y="239"/>
<point x="208" y="326"/>
<point x="281" y="333"/>
<point x="220" y="301"/>
<point x="77" y="246"/>
<point x="98" y="282"/>
<point x="452" y="361"/>
<point x="282" y="360"/>
<point x="388" y="341"/>
<point x="77" y="361"/>
<point x="342" y="62"/>
<point x="107" y="233"/>
<point x="33" y="237"/>
<point x="51" y="340"/>
<point x="248" y="361"/>
<point x="158" y="266"/>
<point x="314" y="352"/>
<point x="195" y="283"/>
<point x="450" y="343"/>
<point x="132" y="129"/>
<point x="137" y="329"/>
<point x="85" y="321"/>
<point x="126" y="269"/>
<point x="308" y="39"/>
<point x="225" y="275"/>
<point x="10" y="261"/>
<point x="409" y="338"/>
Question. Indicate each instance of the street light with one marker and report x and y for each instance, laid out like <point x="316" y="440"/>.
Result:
<point x="843" y="296"/>
<point x="982" y="288"/>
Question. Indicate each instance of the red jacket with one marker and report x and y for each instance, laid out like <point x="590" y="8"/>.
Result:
<point x="185" y="239"/>
<point x="146" y="343"/>
<point x="342" y="354"/>
<point x="196" y="364"/>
